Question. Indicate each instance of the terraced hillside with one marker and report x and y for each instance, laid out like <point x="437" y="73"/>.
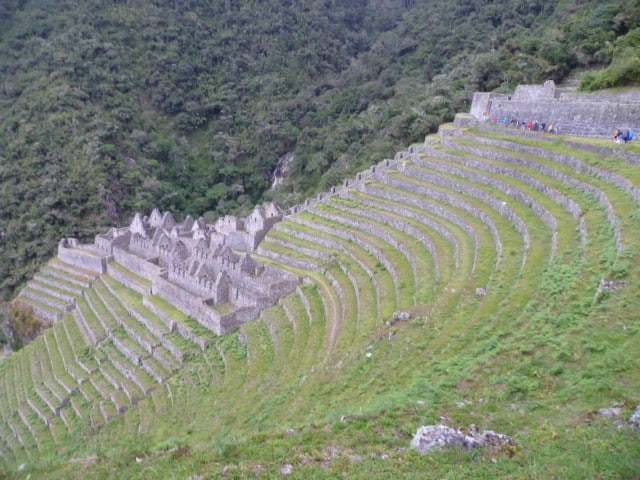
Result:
<point x="515" y="257"/>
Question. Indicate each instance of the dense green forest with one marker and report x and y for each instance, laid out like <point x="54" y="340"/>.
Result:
<point x="110" y="107"/>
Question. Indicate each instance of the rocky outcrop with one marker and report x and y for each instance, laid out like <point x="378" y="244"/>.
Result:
<point x="431" y="437"/>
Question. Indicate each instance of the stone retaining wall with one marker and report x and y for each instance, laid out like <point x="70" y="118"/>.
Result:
<point x="575" y="114"/>
<point x="69" y="252"/>
<point x="374" y="232"/>
<point x="189" y="304"/>
<point x="409" y="213"/>
<point x="499" y="206"/>
<point x="41" y="313"/>
<point x="125" y="279"/>
<point x="449" y="199"/>
<point x="570" y="205"/>
<point x="402" y="226"/>
<point x="421" y="204"/>
<point x="555" y="174"/>
<point x="332" y="245"/>
<point x="573" y="162"/>
<point x="367" y="246"/>
<point x="135" y="263"/>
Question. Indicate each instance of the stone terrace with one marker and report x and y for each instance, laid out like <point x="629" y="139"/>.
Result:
<point x="461" y="229"/>
<point x="594" y="114"/>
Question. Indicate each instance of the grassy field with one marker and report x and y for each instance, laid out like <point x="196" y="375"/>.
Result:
<point x="327" y="385"/>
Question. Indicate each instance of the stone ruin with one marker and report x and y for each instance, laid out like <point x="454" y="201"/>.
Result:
<point x="204" y="270"/>
<point x="584" y="114"/>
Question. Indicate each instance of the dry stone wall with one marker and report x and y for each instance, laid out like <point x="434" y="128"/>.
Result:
<point x="575" y="114"/>
<point x="552" y="173"/>
<point x="69" y="251"/>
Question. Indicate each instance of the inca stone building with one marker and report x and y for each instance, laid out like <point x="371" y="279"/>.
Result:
<point x="204" y="270"/>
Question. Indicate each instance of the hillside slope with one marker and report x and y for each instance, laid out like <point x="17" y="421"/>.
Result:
<point x="516" y="258"/>
<point x="108" y="108"/>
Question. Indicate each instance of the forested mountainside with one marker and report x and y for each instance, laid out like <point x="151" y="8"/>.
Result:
<point x="112" y="107"/>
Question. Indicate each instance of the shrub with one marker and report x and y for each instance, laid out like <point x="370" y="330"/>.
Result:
<point x="24" y="324"/>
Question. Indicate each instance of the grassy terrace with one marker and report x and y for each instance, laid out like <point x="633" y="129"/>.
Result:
<point x="53" y="270"/>
<point x="51" y="290"/>
<point x="115" y="304"/>
<point x="93" y="297"/>
<point x="60" y="283"/>
<point x="134" y="278"/>
<point x="179" y="317"/>
<point x="539" y="253"/>
<point x="431" y="241"/>
<point x="89" y="321"/>
<point x="485" y="260"/>
<point x="385" y="255"/>
<point x="365" y="266"/>
<point x="320" y="381"/>
<point x="417" y="253"/>
<point x="74" y="271"/>
<point x="66" y="350"/>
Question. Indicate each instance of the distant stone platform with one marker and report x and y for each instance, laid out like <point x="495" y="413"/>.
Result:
<point x="589" y="114"/>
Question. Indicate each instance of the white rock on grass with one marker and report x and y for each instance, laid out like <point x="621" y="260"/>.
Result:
<point x="441" y="436"/>
<point x="634" y="421"/>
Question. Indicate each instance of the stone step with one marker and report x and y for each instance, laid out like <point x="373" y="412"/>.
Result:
<point x="166" y="358"/>
<point x="66" y="277"/>
<point x="133" y="327"/>
<point x="134" y="372"/>
<point x="380" y="220"/>
<point x="92" y="321"/>
<point x="25" y="426"/>
<point x="477" y="194"/>
<point x="40" y="411"/>
<point x="570" y="161"/>
<point x="557" y="175"/>
<point x="512" y="174"/>
<point x="74" y="271"/>
<point x="83" y="326"/>
<point x="10" y="448"/>
<point x="129" y="347"/>
<point x="130" y="279"/>
<point x="72" y="367"/>
<point x="439" y="213"/>
<point x="130" y="389"/>
<point x="387" y="208"/>
<point x="52" y="291"/>
<point x="286" y="256"/>
<point x="156" y="369"/>
<point x="44" y="298"/>
<point x="24" y="438"/>
<point x="435" y="197"/>
<point x="347" y="234"/>
<point x="56" y="282"/>
<point x="40" y="310"/>
<point x="175" y="320"/>
<point x="337" y="250"/>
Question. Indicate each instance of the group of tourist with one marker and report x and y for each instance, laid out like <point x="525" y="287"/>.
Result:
<point x="531" y="125"/>
<point x="625" y="137"/>
<point x="535" y="126"/>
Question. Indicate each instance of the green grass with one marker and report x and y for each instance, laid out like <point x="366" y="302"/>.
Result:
<point x="320" y="382"/>
<point x="134" y="277"/>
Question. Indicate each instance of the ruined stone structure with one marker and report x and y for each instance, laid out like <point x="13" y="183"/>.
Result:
<point x="204" y="270"/>
<point x="592" y="114"/>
